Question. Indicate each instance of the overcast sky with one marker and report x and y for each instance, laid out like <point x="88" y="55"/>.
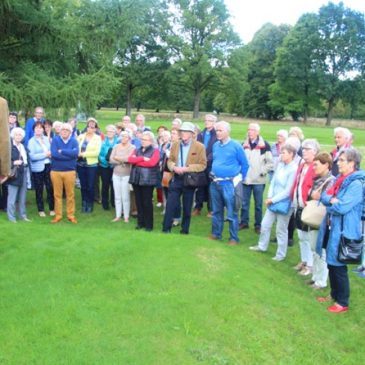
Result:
<point x="247" y="17"/>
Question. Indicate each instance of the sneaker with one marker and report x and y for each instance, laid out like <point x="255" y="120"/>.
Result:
<point x="159" y="205"/>
<point x="116" y="219"/>
<point x="232" y="243"/>
<point x="317" y="287"/>
<point x="52" y="213"/>
<point x="195" y="212"/>
<point x="26" y="219"/>
<point x="176" y="222"/>
<point x="277" y="258"/>
<point x="42" y="214"/>
<point x="243" y="226"/>
<point x="337" y="308"/>
<point x="256" y="248"/>
<point x="209" y="215"/>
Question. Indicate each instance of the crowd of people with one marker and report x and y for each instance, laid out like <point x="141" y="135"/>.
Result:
<point x="190" y="168"/>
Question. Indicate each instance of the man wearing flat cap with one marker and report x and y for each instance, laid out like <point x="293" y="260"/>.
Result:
<point x="187" y="155"/>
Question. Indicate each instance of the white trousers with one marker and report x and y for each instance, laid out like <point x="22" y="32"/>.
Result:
<point x="320" y="271"/>
<point x="282" y="222"/>
<point x="122" y="198"/>
<point x="306" y="254"/>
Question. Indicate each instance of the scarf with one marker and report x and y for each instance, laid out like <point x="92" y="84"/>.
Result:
<point x="334" y="189"/>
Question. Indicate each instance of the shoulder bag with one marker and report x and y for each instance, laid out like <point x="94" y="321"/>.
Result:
<point x="193" y="179"/>
<point x="281" y="207"/>
<point x="314" y="212"/>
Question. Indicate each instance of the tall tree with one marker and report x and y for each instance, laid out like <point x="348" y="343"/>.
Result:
<point x="201" y="40"/>
<point x="295" y="73"/>
<point x="341" y="50"/>
<point x="262" y="52"/>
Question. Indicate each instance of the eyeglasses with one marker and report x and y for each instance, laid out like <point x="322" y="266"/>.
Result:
<point x="342" y="160"/>
<point x="91" y="127"/>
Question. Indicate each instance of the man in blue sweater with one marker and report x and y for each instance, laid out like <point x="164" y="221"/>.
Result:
<point x="64" y="151"/>
<point x="229" y="169"/>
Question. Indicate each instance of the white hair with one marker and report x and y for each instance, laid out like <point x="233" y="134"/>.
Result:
<point x="111" y="126"/>
<point x="211" y="117"/>
<point x="254" y="126"/>
<point x="17" y="130"/>
<point x="283" y="133"/>
<point x="346" y="132"/>
<point x="58" y="124"/>
<point x="224" y="125"/>
<point x="67" y="126"/>
<point x="312" y="144"/>
<point x="151" y="136"/>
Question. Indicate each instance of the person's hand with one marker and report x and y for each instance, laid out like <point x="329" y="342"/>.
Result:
<point x="179" y="170"/>
<point x="18" y="162"/>
<point x="268" y="201"/>
<point x="316" y="195"/>
<point x="334" y="201"/>
<point x="48" y="154"/>
<point x="146" y="158"/>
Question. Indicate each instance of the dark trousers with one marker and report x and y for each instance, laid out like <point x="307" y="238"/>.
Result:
<point x="40" y="180"/>
<point x="144" y="204"/>
<point x="176" y="190"/>
<point x="291" y="227"/>
<point x="202" y="195"/>
<point x="340" y="285"/>
<point x="87" y="176"/>
<point x="177" y="213"/>
<point x="3" y="196"/>
<point x="107" y="192"/>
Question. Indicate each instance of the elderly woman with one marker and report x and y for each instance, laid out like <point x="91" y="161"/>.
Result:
<point x="296" y="132"/>
<point x="344" y="202"/>
<point x="87" y="164"/>
<point x="121" y="173"/>
<point x="343" y="139"/>
<point x="281" y="136"/>
<point x="279" y="190"/>
<point x="39" y="149"/>
<point x="17" y="186"/>
<point x="300" y="192"/>
<point x="144" y="177"/>
<point x="105" y="166"/>
<point x="322" y="179"/>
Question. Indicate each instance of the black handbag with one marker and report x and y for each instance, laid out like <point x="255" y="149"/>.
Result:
<point x="107" y="156"/>
<point x="350" y="250"/>
<point x="14" y="173"/>
<point x="195" y="179"/>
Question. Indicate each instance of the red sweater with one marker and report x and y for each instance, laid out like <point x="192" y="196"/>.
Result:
<point x="307" y="182"/>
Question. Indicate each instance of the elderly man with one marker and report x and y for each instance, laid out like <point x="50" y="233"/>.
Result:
<point x="38" y="117"/>
<point x="187" y="155"/>
<point x="229" y="168"/>
<point x="343" y="140"/>
<point x="208" y="137"/>
<point x="259" y="156"/>
<point x="64" y="151"/>
<point x="140" y="120"/>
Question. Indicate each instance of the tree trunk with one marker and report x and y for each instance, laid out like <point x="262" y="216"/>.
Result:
<point x="128" y="108"/>
<point x="305" y="114"/>
<point x="196" y="104"/>
<point x="331" y="105"/>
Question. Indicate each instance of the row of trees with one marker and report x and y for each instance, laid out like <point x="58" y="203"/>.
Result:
<point x="179" y="54"/>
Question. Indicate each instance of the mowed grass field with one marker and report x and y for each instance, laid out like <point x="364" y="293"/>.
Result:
<point x="103" y="293"/>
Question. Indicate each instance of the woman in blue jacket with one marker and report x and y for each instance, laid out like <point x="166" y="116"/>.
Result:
<point x="39" y="149"/>
<point x="344" y="202"/>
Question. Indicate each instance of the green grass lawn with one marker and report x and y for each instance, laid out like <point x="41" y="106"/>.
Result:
<point x="103" y="293"/>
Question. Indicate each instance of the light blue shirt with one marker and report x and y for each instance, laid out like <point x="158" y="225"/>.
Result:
<point x="184" y="148"/>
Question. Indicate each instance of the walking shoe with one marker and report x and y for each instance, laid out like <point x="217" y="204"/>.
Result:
<point x="309" y="282"/>
<point x="52" y="213"/>
<point x="159" y="205"/>
<point x="256" y="248"/>
<point x="300" y="266"/>
<point x="326" y="299"/>
<point x="195" y="212"/>
<point x="175" y="222"/>
<point x="213" y="238"/>
<point x="232" y="243"/>
<point x="277" y="258"/>
<point x="116" y="219"/>
<point x="337" y="308"/>
<point x="306" y="271"/>
<point x="258" y="230"/>
<point x="72" y="220"/>
<point x="26" y="219"/>
<point x="56" y="220"/>
<point x="290" y="242"/>
<point x="358" y="269"/>
<point x="209" y="215"/>
<point x="243" y="226"/>
<point x="42" y="214"/>
<point x="317" y="287"/>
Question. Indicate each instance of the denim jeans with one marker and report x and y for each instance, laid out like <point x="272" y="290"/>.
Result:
<point x="87" y="176"/>
<point x="258" y="192"/>
<point x="222" y="195"/>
